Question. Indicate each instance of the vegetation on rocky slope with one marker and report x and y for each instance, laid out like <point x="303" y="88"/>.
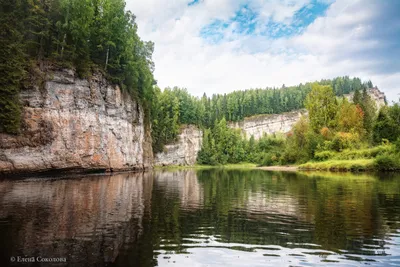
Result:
<point x="80" y="34"/>
<point x="174" y="107"/>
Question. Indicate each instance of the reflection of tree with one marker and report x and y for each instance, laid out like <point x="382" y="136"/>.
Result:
<point x="258" y="207"/>
<point x="346" y="209"/>
<point x="132" y="218"/>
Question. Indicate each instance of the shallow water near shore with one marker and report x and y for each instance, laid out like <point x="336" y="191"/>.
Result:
<point x="212" y="217"/>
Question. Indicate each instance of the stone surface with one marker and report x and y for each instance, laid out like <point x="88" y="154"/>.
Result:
<point x="184" y="151"/>
<point x="268" y="123"/>
<point x="72" y="123"/>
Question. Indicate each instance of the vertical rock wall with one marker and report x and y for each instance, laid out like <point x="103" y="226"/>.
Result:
<point x="259" y="125"/>
<point x="184" y="151"/>
<point x="72" y="123"/>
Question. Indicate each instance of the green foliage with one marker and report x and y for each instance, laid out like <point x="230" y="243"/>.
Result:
<point x="367" y="153"/>
<point x="301" y="143"/>
<point x="343" y="140"/>
<point x="369" y="109"/>
<point x="224" y="145"/>
<point x="387" y="124"/>
<point x="387" y="162"/>
<point x="350" y="118"/>
<point x="165" y="119"/>
<point x="12" y="65"/>
<point x="324" y="155"/>
<point x="397" y="145"/>
<point x="340" y="165"/>
<point x="322" y="105"/>
<point x="237" y="105"/>
<point x="79" y="33"/>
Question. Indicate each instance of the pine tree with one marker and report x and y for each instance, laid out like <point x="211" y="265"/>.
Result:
<point x="12" y="65"/>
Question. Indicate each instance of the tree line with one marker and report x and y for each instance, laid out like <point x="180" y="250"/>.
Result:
<point x="85" y="34"/>
<point x="175" y="106"/>
<point x="335" y="129"/>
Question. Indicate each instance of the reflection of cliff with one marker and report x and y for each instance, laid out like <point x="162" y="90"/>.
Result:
<point x="185" y="183"/>
<point x="260" y="202"/>
<point x="85" y="220"/>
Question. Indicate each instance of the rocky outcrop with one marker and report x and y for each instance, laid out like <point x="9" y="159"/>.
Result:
<point x="73" y="124"/>
<point x="184" y="151"/>
<point x="259" y="125"/>
<point x="282" y="123"/>
<point x="377" y="96"/>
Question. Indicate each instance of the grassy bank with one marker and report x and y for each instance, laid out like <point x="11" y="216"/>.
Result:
<point x="380" y="158"/>
<point x="340" y="165"/>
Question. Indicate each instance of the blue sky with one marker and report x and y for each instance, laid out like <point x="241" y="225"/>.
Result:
<point x="247" y="21"/>
<point x="218" y="46"/>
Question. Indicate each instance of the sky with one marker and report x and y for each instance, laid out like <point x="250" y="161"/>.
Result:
<point x="219" y="46"/>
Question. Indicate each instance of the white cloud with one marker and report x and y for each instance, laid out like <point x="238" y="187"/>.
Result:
<point x="339" y="43"/>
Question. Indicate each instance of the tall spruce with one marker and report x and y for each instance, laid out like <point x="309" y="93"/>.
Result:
<point x="12" y="64"/>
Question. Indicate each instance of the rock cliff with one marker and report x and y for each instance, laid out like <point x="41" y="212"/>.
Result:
<point x="273" y="123"/>
<point x="73" y="124"/>
<point x="184" y="151"/>
<point x="268" y="124"/>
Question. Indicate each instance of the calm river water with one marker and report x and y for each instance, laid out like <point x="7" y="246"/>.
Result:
<point x="202" y="218"/>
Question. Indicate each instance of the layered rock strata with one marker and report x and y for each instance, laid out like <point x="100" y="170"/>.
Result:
<point x="77" y="124"/>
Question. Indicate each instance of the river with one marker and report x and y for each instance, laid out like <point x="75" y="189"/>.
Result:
<point x="201" y="218"/>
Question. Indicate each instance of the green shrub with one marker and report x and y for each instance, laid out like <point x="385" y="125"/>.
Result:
<point x="387" y="162"/>
<point x="340" y="165"/>
<point x="324" y="155"/>
<point x="327" y="145"/>
<point x="397" y="145"/>
<point x="366" y="153"/>
<point x="269" y="159"/>
<point x="343" y="140"/>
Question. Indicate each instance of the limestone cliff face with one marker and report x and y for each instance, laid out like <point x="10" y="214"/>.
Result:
<point x="273" y="123"/>
<point x="72" y="123"/>
<point x="268" y="124"/>
<point x="184" y="151"/>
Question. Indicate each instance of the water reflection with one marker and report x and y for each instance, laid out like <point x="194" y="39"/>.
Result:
<point x="205" y="218"/>
<point x="87" y="220"/>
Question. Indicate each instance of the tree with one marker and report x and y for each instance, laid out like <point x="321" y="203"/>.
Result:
<point x="368" y="106"/>
<point x="298" y="142"/>
<point x="350" y="117"/>
<point x="357" y="98"/>
<point x="322" y="106"/>
<point x="207" y="153"/>
<point x="386" y="126"/>
<point x="12" y="65"/>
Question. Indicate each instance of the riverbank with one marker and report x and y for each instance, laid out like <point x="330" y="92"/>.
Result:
<point x="355" y="165"/>
<point x="279" y="168"/>
<point x="200" y="167"/>
<point x="230" y="166"/>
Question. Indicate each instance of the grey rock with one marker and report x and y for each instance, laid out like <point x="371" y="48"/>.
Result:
<point x="77" y="124"/>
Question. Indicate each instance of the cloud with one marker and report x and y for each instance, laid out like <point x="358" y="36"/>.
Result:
<point x="218" y="46"/>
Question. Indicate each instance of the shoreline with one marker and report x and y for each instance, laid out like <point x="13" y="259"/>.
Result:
<point x="279" y="168"/>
